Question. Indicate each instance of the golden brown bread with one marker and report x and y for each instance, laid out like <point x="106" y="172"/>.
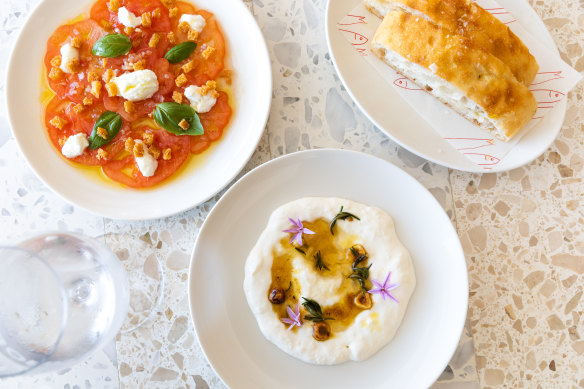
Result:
<point x="466" y="18"/>
<point x="472" y="81"/>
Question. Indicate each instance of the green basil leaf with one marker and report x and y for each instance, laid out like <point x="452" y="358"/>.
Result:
<point x="111" y="122"/>
<point x="111" y="46"/>
<point x="169" y="115"/>
<point x="180" y="52"/>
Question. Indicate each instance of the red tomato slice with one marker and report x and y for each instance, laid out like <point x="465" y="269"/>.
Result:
<point x="140" y="37"/>
<point x="125" y="170"/>
<point x="74" y="86"/>
<point x="144" y="107"/>
<point x="204" y="69"/>
<point x="80" y="123"/>
<point x="213" y="122"/>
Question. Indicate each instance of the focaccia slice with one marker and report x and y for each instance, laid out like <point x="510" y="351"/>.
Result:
<point x="466" y="18"/>
<point x="470" y="80"/>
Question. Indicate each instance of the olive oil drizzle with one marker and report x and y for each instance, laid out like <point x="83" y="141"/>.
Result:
<point x="335" y="253"/>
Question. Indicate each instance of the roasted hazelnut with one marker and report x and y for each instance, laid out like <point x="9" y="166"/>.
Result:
<point x="321" y="331"/>
<point x="277" y="296"/>
<point x="356" y="249"/>
<point x="363" y="300"/>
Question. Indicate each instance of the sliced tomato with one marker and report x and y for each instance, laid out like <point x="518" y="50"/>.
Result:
<point x="80" y="123"/>
<point x="204" y="69"/>
<point x="213" y="123"/>
<point x="74" y="86"/>
<point x="158" y="65"/>
<point x="125" y="170"/>
<point x="141" y="36"/>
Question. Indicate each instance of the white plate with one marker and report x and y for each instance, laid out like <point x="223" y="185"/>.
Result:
<point x="379" y="101"/>
<point x="225" y="326"/>
<point x="252" y="95"/>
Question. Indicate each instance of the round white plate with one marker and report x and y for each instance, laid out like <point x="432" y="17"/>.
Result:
<point x="252" y="91"/>
<point x="225" y="326"/>
<point x="379" y="101"/>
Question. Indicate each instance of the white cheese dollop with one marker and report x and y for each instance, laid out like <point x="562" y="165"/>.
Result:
<point x="138" y="85"/>
<point x="201" y="104"/>
<point x="146" y="163"/>
<point x="67" y="54"/>
<point x="128" y="19"/>
<point x="196" y="22"/>
<point x="75" y="145"/>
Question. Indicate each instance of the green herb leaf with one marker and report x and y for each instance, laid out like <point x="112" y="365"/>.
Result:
<point x="111" y="46"/>
<point x="109" y="121"/>
<point x="314" y="310"/>
<point x="360" y="274"/>
<point x="319" y="264"/>
<point x="180" y="52"/>
<point x="341" y="216"/>
<point x="300" y="250"/>
<point x="169" y="115"/>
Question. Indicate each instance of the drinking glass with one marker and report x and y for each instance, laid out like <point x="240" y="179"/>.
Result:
<point x="62" y="297"/>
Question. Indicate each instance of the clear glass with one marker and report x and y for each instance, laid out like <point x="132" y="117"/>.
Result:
<point x="64" y="296"/>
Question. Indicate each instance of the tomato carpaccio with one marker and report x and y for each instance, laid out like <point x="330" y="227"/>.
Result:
<point x="87" y="85"/>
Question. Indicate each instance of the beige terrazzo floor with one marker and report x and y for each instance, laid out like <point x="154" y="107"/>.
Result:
<point x="522" y="232"/>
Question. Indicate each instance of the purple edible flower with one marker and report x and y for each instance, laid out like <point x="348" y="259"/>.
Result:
<point x="383" y="289"/>
<point x="294" y="317"/>
<point x="298" y="230"/>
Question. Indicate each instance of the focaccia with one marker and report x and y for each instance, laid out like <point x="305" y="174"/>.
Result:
<point x="470" y="80"/>
<point x="466" y="18"/>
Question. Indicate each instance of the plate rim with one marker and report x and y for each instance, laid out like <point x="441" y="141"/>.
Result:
<point x="298" y="154"/>
<point x="138" y="214"/>
<point x="471" y="168"/>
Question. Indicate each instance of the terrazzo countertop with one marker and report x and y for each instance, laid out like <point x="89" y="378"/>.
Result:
<point x="520" y="230"/>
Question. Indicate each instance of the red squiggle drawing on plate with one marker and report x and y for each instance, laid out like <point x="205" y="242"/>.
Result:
<point x="404" y="83"/>
<point x="543" y="77"/>
<point x="356" y="39"/>
<point x="358" y="20"/>
<point x="471" y="143"/>
<point x="504" y="15"/>
<point x="483" y="159"/>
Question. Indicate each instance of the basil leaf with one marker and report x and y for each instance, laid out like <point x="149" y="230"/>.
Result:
<point x="111" y="46"/>
<point x="180" y="52"/>
<point x="169" y="115"/>
<point x="109" y="121"/>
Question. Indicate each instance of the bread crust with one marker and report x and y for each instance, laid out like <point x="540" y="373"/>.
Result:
<point x="466" y="18"/>
<point x="479" y="75"/>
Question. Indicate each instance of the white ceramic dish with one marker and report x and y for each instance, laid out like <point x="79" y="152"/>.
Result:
<point x="252" y="93"/>
<point x="225" y="326"/>
<point x="379" y="101"/>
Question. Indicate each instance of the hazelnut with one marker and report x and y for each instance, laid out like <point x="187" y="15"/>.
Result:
<point x="277" y="296"/>
<point x="321" y="331"/>
<point x="363" y="300"/>
<point x="358" y="248"/>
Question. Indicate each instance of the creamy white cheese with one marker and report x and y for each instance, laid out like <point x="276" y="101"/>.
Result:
<point x="75" y="145"/>
<point x="128" y="19"/>
<point x="196" y="22"/>
<point x="137" y="85"/>
<point x="147" y="164"/>
<point x="200" y="104"/>
<point x="371" y="329"/>
<point x="67" y="54"/>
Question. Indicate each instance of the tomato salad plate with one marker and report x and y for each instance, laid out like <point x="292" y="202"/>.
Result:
<point x="138" y="109"/>
<point x="225" y="325"/>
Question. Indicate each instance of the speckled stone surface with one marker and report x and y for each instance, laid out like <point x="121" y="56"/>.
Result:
<point x="521" y="230"/>
<point x="522" y="233"/>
